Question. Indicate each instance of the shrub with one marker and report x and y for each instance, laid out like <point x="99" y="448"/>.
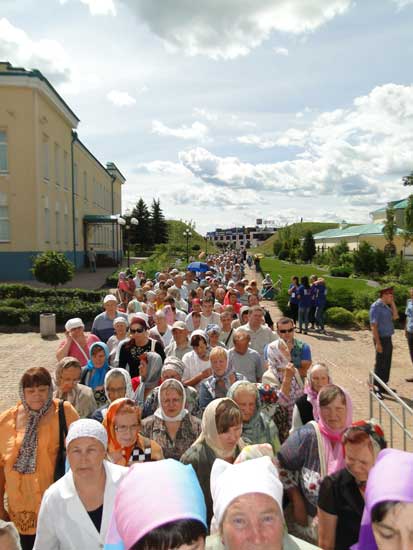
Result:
<point x="364" y="298"/>
<point x="283" y="254"/>
<point x="340" y="297"/>
<point x="12" y="316"/>
<point x="339" y="316"/>
<point x="17" y="291"/>
<point x="53" y="268"/>
<point x="282" y="302"/>
<point x="14" y="302"/>
<point x="362" y="317"/>
<point x="341" y="271"/>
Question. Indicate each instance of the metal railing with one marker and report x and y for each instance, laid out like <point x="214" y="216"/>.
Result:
<point x="392" y="419"/>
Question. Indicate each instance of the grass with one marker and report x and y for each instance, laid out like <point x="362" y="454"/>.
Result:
<point x="286" y="270"/>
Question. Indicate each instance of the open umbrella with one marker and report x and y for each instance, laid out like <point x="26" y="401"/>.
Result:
<point x="198" y="266"/>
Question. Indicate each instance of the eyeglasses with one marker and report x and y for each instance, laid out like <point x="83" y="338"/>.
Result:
<point x="137" y="330"/>
<point x="127" y="429"/>
<point x="286" y="330"/>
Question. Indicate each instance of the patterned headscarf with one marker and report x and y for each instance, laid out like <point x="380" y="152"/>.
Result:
<point x="27" y="458"/>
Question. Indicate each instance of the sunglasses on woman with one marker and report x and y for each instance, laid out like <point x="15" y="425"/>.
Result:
<point x="137" y="330"/>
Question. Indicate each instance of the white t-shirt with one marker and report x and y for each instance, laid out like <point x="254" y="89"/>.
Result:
<point x="213" y="319"/>
<point x="194" y="365"/>
<point x="166" y="337"/>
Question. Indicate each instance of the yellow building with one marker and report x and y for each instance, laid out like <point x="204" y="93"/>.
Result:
<point x="54" y="194"/>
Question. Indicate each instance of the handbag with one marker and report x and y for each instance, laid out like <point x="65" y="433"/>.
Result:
<point x="60" y="467"/>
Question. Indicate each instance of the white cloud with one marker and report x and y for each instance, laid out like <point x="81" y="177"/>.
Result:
<point x="48" y="56"/>
<point x="204" y="113"/>
<point x="197" y="131"/>
<point x="403" y="3"/>
<point x="98" y="7"/>
<point x="120" y="99"/>
<point x="232" y="28"/>
<point x="258" y="141"/>
<point x="281" y="51"/>
<point x="162" y="167"/>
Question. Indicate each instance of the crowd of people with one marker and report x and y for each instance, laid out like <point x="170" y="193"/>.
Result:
<point x="188" y="419"/>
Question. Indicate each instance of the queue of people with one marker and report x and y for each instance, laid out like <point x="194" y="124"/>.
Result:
<point x="187" y="419"/>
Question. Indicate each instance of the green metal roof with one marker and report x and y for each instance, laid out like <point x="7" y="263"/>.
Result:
<point x="397" y="205"/>
<point x="352" y="231"/>
<point x="100" y="218"/>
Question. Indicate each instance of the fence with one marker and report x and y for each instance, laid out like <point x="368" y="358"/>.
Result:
<point x="394" y="414"/>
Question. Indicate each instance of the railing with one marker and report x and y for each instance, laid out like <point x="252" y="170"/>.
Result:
<point x="385" y="413"/>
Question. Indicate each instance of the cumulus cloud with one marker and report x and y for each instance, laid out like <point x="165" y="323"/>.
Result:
<point x="232" y="28"/>
<point x="197" y="131"/>
<point x="48" y="56"/>
<point x="98" y="7"/>
<point x="120" y="99"/>
<point x="258" y="141"/>
<point x="403" y="3"/>
<point x="281" y="51"/>
<point x="161" y="167"/>
<point x="360" y="151"/>
<point x="207" y="196"/>
<point x="204" y="113"/>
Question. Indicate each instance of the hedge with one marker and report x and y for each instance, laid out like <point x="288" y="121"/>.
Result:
<point x="12" y="316"/>
<point x="339" y="316"/>
<point x="24" y="291"/>
<point x="341" y="271"/>
<point x="362" y="317"/>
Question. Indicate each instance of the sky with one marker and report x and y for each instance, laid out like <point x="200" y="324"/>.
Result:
<point x="233" y="110"/>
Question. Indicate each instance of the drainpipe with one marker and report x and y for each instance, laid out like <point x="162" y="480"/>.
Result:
<point x="74" y="138"/>
<point x="112" y="212"/>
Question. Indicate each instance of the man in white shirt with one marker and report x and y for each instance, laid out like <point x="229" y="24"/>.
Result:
<point x="260" y="334"/>
<point x="208" y="316"/>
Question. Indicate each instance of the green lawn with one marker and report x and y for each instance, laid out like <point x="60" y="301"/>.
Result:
<point x="287" y="270"/>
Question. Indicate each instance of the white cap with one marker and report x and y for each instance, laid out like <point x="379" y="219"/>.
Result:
<point x="230" y="481"/>
<point x="86" y="427"/>
<point x="120" y="320"/>
<point x="76" y="322"/>
<point x="109" y="298"/>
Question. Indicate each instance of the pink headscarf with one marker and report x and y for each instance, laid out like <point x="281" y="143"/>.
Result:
<point x="334" y="454"/>
<point x="312" y="395"/>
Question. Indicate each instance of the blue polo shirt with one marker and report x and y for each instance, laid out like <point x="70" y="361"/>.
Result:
<point x="293" y="295"/>
<point x="321" y="295"/>
<point x="381" y="315"/>
<point x="409" y="316"/>
<point x="305" y="299"/>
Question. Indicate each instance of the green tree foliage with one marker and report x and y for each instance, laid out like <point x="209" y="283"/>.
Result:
<point x="52" y="268"/>
<point x="159" y="226"/>
<point x="309" y="249"/>
<point x="407" y="233"/>
<point x="364" y="258"/>
<point x="389" y="232"/>
<point x="408" y="180"/>
<point x="141" y="234"/>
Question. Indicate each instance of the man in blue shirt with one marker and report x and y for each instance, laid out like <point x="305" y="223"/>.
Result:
<point x="382" y="314"/>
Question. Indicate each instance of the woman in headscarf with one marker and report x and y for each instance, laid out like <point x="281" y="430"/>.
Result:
<point x="231" y="299"/>
<point x="124" y="288"/>
<point x="305" y="408"/>
<point x="76" y="510"/>
<point x="150" y="373"/>
<point x="172" y="427"/>
<point x="222" y="377"/>
<point x="120" y="326"/>
<point x="125" y="443"/>
<point x="67" y="376"/>
<point x="257" y="427"/>
<point x="93" y="375"/>
<point x="220" y="438"/>
<point x="387" y="516"/>
<point x="172" y="368"/>
<point x="341" y="496"/>
<point x="76" y="344"/>
<point x="117" y="384"/>
<point x="314" y="451"/>
<point x="175" y="519"/>
<point x="29" y="444"/>
<point x="197" y="363"/>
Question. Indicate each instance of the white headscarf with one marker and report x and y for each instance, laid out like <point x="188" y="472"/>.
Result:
<point x="177" y="386"/>
<point x="128" y="382"/>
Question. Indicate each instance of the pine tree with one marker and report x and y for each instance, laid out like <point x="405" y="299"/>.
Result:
<point x="408" y="180"/>
<point x="389" y="232"/>
<point x="141" y="234"/>
<point x="309" y="249"/>
<point x="159" y="227"/>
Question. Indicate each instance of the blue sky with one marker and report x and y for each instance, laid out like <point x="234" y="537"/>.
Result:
<point x="229" y="110"/>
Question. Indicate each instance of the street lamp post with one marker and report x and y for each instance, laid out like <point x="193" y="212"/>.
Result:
<point x="127" y="224"/>
<point x="188" y="235"/>
<point x="206" y="246"/>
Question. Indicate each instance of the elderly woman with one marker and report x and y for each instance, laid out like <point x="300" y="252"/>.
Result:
<point x="172" y="427"/>
<point x="126" y="445"/>
<point x="213" y="332"/>
<point x="220" y="438"/>
<point x="305" y="408"/>
<point x="76" y="344"/>
<point x="125" y="292"/>
<point x="93" y="374"/>
<point x="9" y="537"/>
<point x="137" y="304"/>
<point x="222" y="378"/>
<point x="120" y="325"/>
<point x="314" y="451"/>
<point x="131" y="350"/>
<point x="151" y="368"/>
<point x="67" y="376"/>
<point x="162" y="330"/>
<point x="76" y="510"/>
<point x="388" y="512"/>
<point x="29" y="445"/>
<point x="172" y="368"/>
<point x="197" y="363"/>
<point x="117" y="384"/>
<point x="176" y="520"/>
<point x="341" y="496"/>
<point x="257" y="427"/>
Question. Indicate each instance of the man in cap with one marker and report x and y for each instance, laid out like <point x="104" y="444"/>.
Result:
<point x="103" y="323"/>
<point x="382" y="314"/>
<point x="180" y="344"/>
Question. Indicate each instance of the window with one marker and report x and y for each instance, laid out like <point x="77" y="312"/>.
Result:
<point x="66" y="225"/>
<point x="46" y="173"/>
<point x="65" y="170"/>
<point x="85" y="184"/>
<point x="57" y="222"/>
<point x="46" y="220"/>
<point x="75" y="179"/>
<point x="57" y="164"/>
<point x="4" y="167"/>
<point x="4" y="218"/>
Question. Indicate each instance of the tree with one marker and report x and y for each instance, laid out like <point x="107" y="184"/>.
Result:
<point x="141" y="233"/>
<point x="159" y="226"/>
<point x="309" y="249"/>
<point x="408" y="180"/>
<point x="53" y="268"/>
<point x="389" y="232"/>
<point x="407" y="233"/>
<point x="364" y="258"/>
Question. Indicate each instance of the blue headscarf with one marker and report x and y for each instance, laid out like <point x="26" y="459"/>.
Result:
<point x="98" y="375"/>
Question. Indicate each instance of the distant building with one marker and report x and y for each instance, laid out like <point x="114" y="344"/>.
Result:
<point x="54" y="193"/>
<point x="238" y="237"/>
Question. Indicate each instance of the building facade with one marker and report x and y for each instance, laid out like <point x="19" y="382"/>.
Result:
<point x="54" y="193"/>
<point x="239" y="237"/>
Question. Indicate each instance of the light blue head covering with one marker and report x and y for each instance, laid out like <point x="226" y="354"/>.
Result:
<point x="98" y="375"/>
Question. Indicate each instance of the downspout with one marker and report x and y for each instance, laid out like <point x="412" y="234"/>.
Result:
<point x="115" y="254"/>
<point x="74" y="138"/>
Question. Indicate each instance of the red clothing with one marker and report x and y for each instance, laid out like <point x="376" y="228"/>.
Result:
<point x="75" y="349"/>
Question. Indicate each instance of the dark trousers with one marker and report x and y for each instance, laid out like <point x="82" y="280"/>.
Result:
<point x="383" y="360"/>
<point x="294" y="312"/>
<point x="27" y="541"/>
<point x="410" y="343"/>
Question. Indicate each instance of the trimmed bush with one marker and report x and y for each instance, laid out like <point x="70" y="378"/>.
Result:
<point x="362" y="317"/>
<point x="53" y="268"/>
<point x="17" y="291"/>
<point x="340" y="317"/>
<point x="364" y="298"/>
<point x="12" y="316"/>
<point x="282" y="302"/>
<point x="341" y="271"/>
<point x="340" y="297"/>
